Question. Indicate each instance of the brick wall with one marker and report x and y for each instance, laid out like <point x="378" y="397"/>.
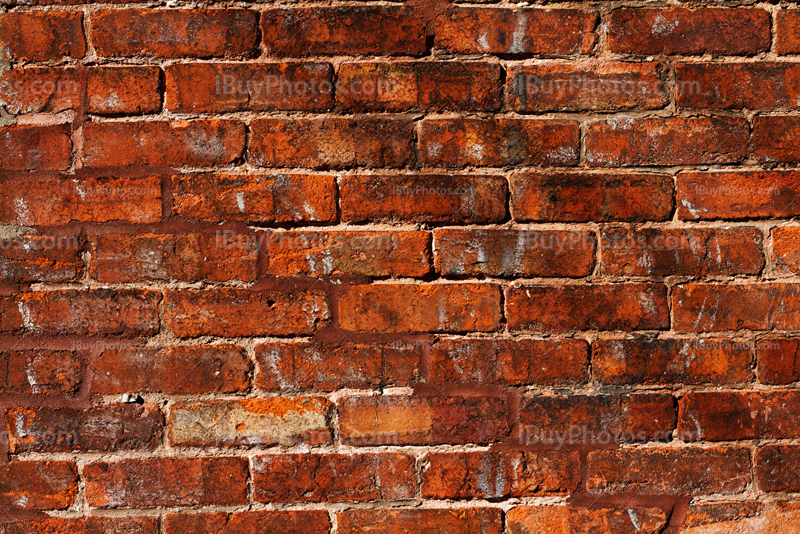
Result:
<point x="381" y="267"/>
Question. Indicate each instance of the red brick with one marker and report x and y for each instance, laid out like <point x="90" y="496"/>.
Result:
<point x="85" y="525"/>
<point x="563" y="308"/>
<point x="584" y="197"/>
<point x="200" y="143"/>
<point x="262" y="522"/>
<point x="671" y="361"/>
<point x="127" y="312"/>
<point x="778" y="360"/>
<point x="421" y="308"/>
<point x="682" y="252"/>
<point x="776" y="468"/>
<point x="41" y="35"/>
<point x="111" y="427"/>
<point x="234" y="312"/>
<point x="40" y="372"/>
<point x="569" y="520"/>
<point x="264" y="422"/>
<point x="406" y="420"/>
<point x="403" y="85"/>
<point x="776" y="139"/>
<point x="787" y="31"/>
<point x="786" y="248"/>
<point x="510" y="362"/>
<point x="255" y="198"/>
<point x="221" y="87"/>
<point x="554" y="85"/>
<point x="122" y="258"/>
<point x="719" y="31"/>
<point x="173" y="370"/>
<point x="440" y="521"/>
<point x="174" y="32"/>
<point x="38" y="485"/>
<point x="27" y="148"/>
<point x="478" y="30"/>
<point x="50" y="202"/>
<point x="463" y="199"/>
<point x="342" y="30"/>
<point x="739" y="415"/>
<point x="150" y="482"/>
<point x="530" y="253"/>
<point x="338" y="142"/>
<point x="307" y="365"/>
<point x="38" y="258"/>
<point x="496" y="475"/>
<point x="40" y="90"/>
<point x="738" y="516"/>
<point x="124" y="90"/>
<point x="738" y="195"/>
<point x="498" y="142"/>
<point x="395" y="253"/>
<point x="597" y="419"/>
<point x="759" y="85"/>
<point x="667" y="470"/>
<point x="334" y="477"/>
<point x="629" y="141"/>
<point x="718" y="307"/>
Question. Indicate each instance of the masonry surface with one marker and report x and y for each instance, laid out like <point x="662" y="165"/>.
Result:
<point x="361" y="267"/>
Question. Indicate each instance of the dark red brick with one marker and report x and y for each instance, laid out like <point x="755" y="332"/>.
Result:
<point x="569" y="520"/>
<point x="787" y="32"/>
<point x="41" y="35"/>
<point x="261" y="522"/>
<point x="28" y="148"/>
<point x="40" y="372"/>
<point x="85" y="525"/>
<point x="36" y="485"/>
<point x="38" y="258"/>
<point x="786" y="248"/>
<point x="739" y="516"/>
<point x="776" y="139"/>
<point x="778" y="360"/>
<point x="440" y="521"/>
<point x="776" y="468"/>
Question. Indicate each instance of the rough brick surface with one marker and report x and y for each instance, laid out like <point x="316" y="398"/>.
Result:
<point x="42" y="36"/>
<point x="484" y="520"/>
<point x="294" y="522"/>
<point x="38" y="485"/>
<point x="87" y="525"/>
<point x="740" y="516"/>
<point x="569" y="520"/>
<point x="27" y="148"/>
<point x="778" y="361"/>
<point x="40" y="372"/>
<point x="776" y="468"/>
<point x="788" y="24"/>
<point x="33" y="258"/>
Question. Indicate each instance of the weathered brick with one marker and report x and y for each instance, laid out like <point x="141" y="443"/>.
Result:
<point x="38" y="485"/>
<point x="85" y="525"/>
<point x="174" y="32"/>
<point x="440" y="521"/>
<point x="199" y="143"/>
<point x="405" y="420"/>
<point x="681" y="252"/>
<point x="127" y="312"/>
<point x="582" y="197"/>
<point x="151" y="482"/>
<point x="571" y="520"/>
<point x="510" y="362"/>
<point x="255" y="198"/>
<point x="498" y="142"/>
<point x="739" y="415"/>
<point x="227" y="87"/>
<point x="38" y="258"/>
<point x="402" y="86"/>
<point x="787" y="31"/>
<point x="667" y="470"/>
<point x="628" y="141"/>
<point x="286" y="522"/>
<point x="478" y="30"/>
<point x="463" y="199"/>
<point x="421" y="308"/>
<point x="738" y="195"/>
<point x="563" y="308"/>
<point x="342" y="30"/>
<point x="272" y="421"/>
<point x="585" y="86"/>
<point x="778" y="360"/>
<point x="41" y="35"/>
<point x="776" y="468"/>
<point x="338" y="142"/>
<point x="786" y="248"/>
<point x="376" y="253"/>
<point x="173" y="370"/>
<point x="494" y="475"/>
<point x="671" y="361"/>
<point x="101" y="428"/>
<point x="40" y="89"/>
<point x="718" y="307"/>
<point x="776" y="139"/>
<point x="738" y="516"/>
<point x="334" y="477"/>
<point x="40" y="372"/>
<point x="123" y="258"/>
<point x="123" y="90"/>
<point x="28" y="148"/>
<point x="706" y="30"/>
<point x="307" y="365"/>
<point x="56" y="202"/>
<point x="233" y="312"/>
